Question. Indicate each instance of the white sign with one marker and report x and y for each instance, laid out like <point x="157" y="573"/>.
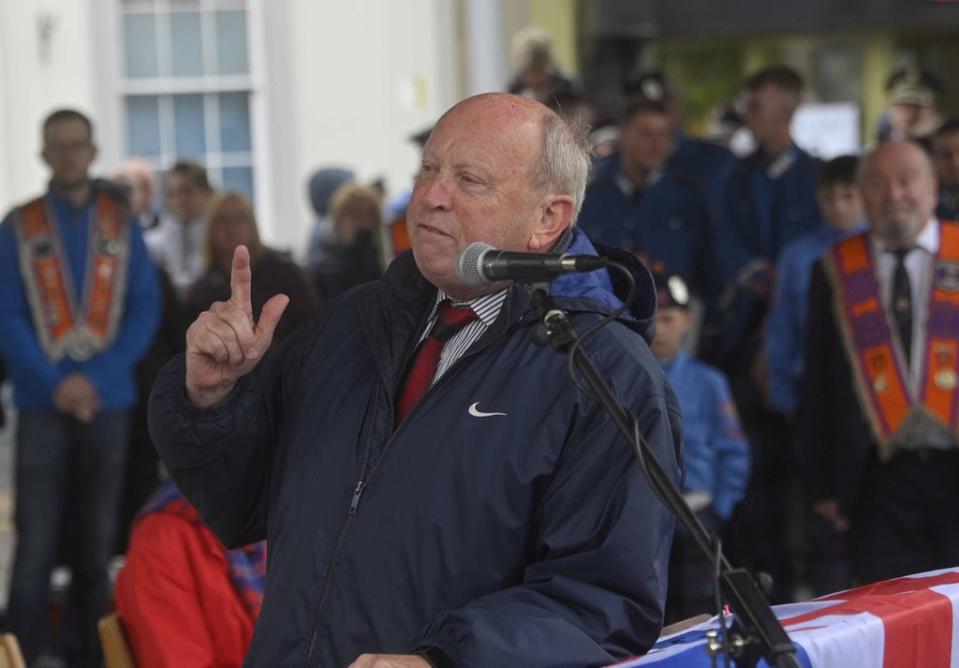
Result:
<point x="827" y="130"/>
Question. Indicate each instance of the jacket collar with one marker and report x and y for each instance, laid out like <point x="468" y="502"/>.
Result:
<point x="394" y="309"/>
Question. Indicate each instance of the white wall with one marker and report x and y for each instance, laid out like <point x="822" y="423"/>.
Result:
<point x="340" y="83"/>
<point x="37" y="76"/>
<point x="364" y="75"/>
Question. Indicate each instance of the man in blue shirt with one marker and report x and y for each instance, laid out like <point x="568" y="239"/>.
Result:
<point x="643" y="207"/>
<point x="768" y="200"/>
<point x="839" y="200"/>
<point x="702" y="161"/>
<point x="78" y="307"/>
<point x="716" y="454"/>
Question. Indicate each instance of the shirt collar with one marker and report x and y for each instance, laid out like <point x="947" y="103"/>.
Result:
<point x="928" y="239"/>
<point x="780" y="165"/>
<point x="486" y="307"/>
<point x="629" y="188"/>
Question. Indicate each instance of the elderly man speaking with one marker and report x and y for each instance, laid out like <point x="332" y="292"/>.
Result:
<point x="433" y="488"/>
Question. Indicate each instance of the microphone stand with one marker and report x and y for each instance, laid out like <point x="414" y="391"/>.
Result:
<point x="756" y="632"/>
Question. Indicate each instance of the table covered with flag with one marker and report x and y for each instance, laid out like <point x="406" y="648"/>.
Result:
<point x="905" y="622"/>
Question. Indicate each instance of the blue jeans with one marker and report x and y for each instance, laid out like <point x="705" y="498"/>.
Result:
<point x="62" y="461"/>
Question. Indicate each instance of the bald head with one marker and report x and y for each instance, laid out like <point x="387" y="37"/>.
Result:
<point x="500" y="108"/>
<point x="500" y="169"/>
<point x="899" y="191"/>
<point x="556" y="152"/>
<point x="512" y="123"/>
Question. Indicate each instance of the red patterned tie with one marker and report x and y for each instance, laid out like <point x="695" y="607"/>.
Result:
<point x="449" y="321"/>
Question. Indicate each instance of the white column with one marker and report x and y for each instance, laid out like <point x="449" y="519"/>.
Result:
<point x="487" y="50"/>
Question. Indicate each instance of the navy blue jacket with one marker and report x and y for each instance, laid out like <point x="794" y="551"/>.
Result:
<point x="760" y="214"/>
<point x="703" y="162"/>
<point x="527" y="539"/>
<point x="667" y="222"/>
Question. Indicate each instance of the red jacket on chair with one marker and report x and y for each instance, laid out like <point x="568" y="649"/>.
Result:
<point x="176" y="599"/>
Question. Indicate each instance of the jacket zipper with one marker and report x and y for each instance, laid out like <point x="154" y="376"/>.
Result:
<point x="366" y="476"/>
<point x="342" y="535"/>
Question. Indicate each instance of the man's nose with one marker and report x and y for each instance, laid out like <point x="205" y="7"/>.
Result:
<point x="895" y="191"/>
<point x="437" y="193"/>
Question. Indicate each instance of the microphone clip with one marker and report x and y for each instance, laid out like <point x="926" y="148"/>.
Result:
<point x="552" y="322"/>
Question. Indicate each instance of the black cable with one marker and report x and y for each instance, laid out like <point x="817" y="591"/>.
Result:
<point x="598" y="325"/>
<point x="748" y="602"/>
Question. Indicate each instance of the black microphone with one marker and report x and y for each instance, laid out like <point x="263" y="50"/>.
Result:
<point x="480" y="265"/>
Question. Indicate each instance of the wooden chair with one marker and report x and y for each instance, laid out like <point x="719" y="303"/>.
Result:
<point x="116" y="650"/>
<point x="10" y="655"/>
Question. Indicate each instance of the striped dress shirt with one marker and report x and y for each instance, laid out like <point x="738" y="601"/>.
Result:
<point x="486" y="308"/>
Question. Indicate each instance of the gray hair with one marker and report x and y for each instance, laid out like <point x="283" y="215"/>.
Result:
<point x="564" y="160"/>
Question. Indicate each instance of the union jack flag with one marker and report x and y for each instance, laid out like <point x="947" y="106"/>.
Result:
<point x="901" y="623"/>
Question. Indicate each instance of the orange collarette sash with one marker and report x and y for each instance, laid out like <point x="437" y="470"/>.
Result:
<point x="63" y="328"/>
<point x="874" y="352"/>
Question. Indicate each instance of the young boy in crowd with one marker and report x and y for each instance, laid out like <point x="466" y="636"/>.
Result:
<point x="716" y="454"/>
<point x="839" y="200"/>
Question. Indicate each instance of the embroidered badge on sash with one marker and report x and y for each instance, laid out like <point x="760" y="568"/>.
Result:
<point x="874" y="351"/>
<point x="64" y="328"/>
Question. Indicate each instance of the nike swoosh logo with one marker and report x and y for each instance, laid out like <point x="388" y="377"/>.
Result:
<point x="476" y="412"/>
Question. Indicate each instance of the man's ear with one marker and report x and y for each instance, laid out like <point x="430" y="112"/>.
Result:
<point x="554" y="216"/>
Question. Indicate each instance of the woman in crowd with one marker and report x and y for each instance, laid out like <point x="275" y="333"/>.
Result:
<point x="357" y="216"/>
<point x="231" y="222"/>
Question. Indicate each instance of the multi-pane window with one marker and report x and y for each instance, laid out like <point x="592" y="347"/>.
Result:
<point x="186" y="85"/>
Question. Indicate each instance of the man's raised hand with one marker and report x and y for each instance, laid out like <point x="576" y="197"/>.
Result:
<point x="224" y="343"/>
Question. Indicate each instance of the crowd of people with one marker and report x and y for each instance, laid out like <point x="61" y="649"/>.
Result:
<point x="98" y="287"/>
<point x="805" y="323"/>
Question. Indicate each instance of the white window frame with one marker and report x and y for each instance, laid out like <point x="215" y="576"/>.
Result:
<point x="113" y="90"/>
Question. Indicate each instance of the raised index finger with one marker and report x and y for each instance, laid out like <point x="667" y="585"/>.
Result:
<point x="240" y="279"/>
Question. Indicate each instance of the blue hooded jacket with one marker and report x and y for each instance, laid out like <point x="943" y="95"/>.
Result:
<point x="525" y="539"/>
<point x="716" y="453"/>
<point x="34" y="376"/>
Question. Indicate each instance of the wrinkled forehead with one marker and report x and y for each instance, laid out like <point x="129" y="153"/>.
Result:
<point x="500" y="146"/>
<point x="500" y="121"/>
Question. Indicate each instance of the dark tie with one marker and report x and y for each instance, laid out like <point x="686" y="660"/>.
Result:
<point x="902" y="302"/>
<point x="449" y="321"/>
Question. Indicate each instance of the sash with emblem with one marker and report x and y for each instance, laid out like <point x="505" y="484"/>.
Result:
<point x="881" y="378"/>
<point x="64" y="327"/>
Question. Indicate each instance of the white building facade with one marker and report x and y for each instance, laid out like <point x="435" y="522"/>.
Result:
<point x="261" y="91"/>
